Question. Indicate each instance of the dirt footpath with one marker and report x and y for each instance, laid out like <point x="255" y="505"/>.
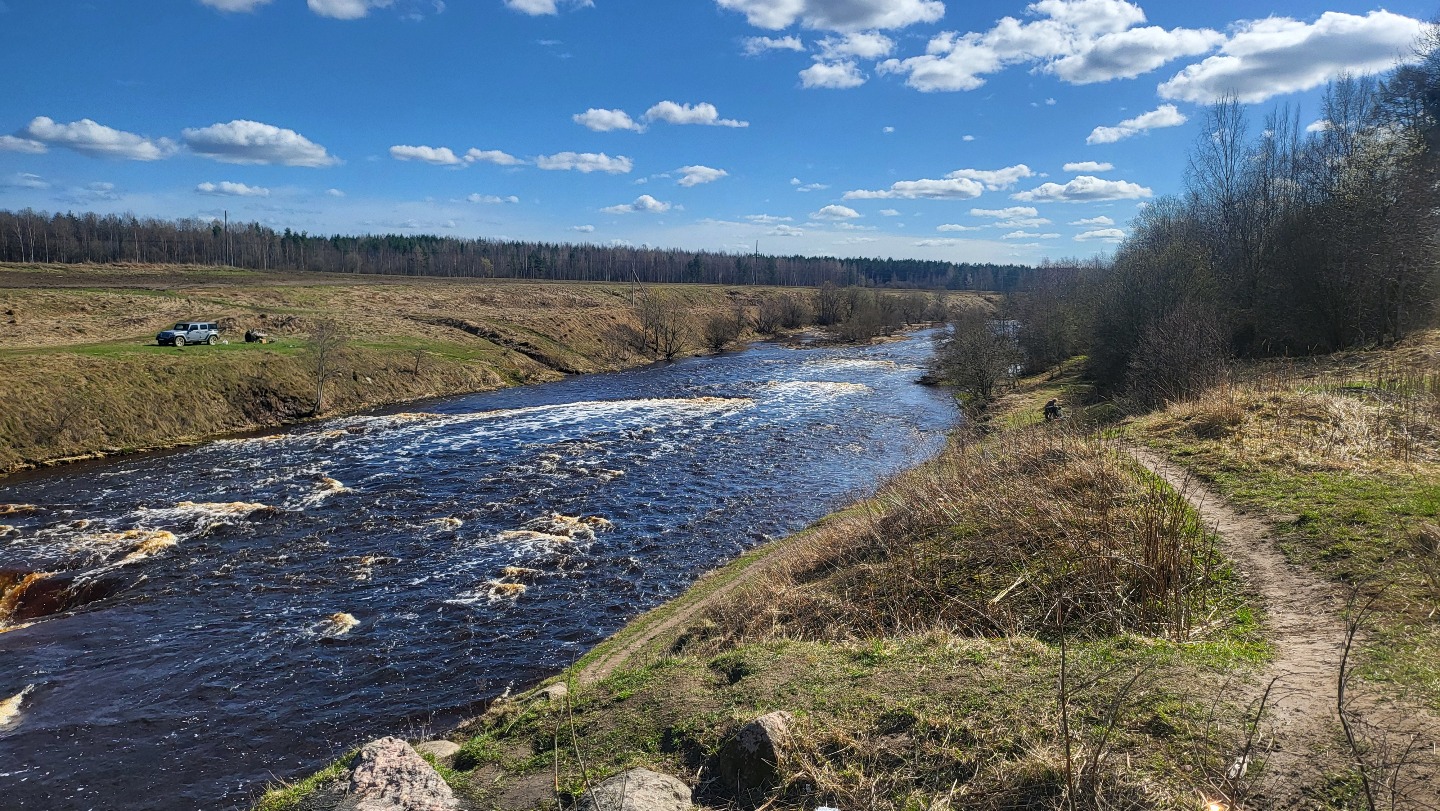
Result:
<point x="1304" y="619"/>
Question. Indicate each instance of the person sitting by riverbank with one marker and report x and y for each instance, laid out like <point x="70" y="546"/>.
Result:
<point x="1052" y="410"/>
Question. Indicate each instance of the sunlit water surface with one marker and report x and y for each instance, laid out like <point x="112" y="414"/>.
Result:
<point x="223" y="663"/>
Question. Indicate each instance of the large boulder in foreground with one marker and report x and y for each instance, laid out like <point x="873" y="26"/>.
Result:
<point x="388" y="775"/>
<point x="745" y="770"/>
<point x="637" y="790"/>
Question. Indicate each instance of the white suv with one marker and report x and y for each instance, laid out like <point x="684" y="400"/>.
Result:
<point x="190" y="332"/>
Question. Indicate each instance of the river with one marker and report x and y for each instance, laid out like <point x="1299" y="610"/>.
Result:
<point x="261" y="604"/>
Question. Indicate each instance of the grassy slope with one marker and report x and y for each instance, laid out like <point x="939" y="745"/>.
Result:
<point x="905" y="708"/>
<point x="83" y="375"/>
<point x="1344" y="452"/>
<point x="896" y="710"/>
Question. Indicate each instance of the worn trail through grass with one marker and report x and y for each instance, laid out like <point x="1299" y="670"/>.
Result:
<point x="1304" y="618"/>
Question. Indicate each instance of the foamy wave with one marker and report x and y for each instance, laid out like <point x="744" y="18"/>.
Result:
<point x="857" y="364"/>
<point x="214" y="509"/>
<point x="325" y="487"/>
<point x="334" y="626"/>
<point x="622" y="414"/>
<point x="526" y="537"/>
<point x="13" y="586"/>
<point x="138" y="537"/>
<point x="17" y="509"/>
<point x="817" y="387"/>
<point x="492" y="591"/>
<point x="568" y="526"/>
<point x="155" y="543"/>
<point x="363" y="566"/>
<point x="10" y="708"/>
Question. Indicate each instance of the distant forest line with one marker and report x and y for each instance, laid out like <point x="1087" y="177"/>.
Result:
<point x="31" y="236"/>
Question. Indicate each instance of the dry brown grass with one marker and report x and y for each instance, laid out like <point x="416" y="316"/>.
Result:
<point x="1034" y="531"/>
<point x="1344" y="451"/>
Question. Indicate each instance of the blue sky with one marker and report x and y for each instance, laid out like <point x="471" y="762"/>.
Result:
<point x="981" y="131"/>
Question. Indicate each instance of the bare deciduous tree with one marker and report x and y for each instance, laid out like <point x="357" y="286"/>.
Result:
<point x="976" y="354"/>
<point x="326" y="347"/>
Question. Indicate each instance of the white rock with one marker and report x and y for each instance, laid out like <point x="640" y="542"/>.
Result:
<point x="389" y="775"/>
<point x="637" y="790"/>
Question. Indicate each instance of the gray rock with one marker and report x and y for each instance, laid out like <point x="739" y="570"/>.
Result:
<point x="442" y="751"/>
<point x="388" y="775"/>
<point x="555" y="692"/>
<point x="745" y="769"/>
<point x="637" y="790"/>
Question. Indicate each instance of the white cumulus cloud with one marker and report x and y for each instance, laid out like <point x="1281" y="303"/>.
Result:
<point x="494" y="156"/>
<point x="227" y="189"/>
<point x="696" y="175"/>
<point x="584" y="229"/>
<point x="766" y="219"/>
<point x="703" y="113"/>
<point x="586" y="162"/>
<point x="1101" y="235"/>
<point x="1028" y="235"/>
<point x="10" y="143"/>
<point x="950" y="226"/>
<point x="836" y="15"/>
<point x="601" y="120"/>
<point x="644" y="204"/>
<point x="491" y="199"/>
<point x="832" y="75"/>
<point x="346" y="9"/>
<point x="252" y="142"/>
<point x="754" y="46"/>
<point x="1101" y="220"/>
<point x="1166" y="115"/>
<point x="1278" y="55"/>
<point x="1005" y="213"/>
<point x="1127" y="54"/>
<point x="537" y="8"/>
<point x="1088" y="166"/>
<point x="1080" y="41"/>
<point x="785" y="231"/>
<point x="995" y="179"/>
<point x="89" y="138"/>
<point x="234" y="5"/>
<point x="1083" y="189"/>
<point x="436" y="156"/>
<point x="867" y="45"/>
<point x="835" y="213"/>
<point x="950" y="188"/>
<point x="335" y="193"/>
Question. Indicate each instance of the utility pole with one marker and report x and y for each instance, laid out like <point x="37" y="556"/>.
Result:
<point x="228" y="262"/>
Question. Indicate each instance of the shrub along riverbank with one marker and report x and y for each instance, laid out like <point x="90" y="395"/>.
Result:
<point x="84" y="377"/>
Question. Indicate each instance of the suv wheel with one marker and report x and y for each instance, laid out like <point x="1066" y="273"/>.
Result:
<point x="212" y="340"/>
<point x="179" y="340"/>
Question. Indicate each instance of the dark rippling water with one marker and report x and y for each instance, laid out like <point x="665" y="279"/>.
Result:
<point x="214" y="670"/>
